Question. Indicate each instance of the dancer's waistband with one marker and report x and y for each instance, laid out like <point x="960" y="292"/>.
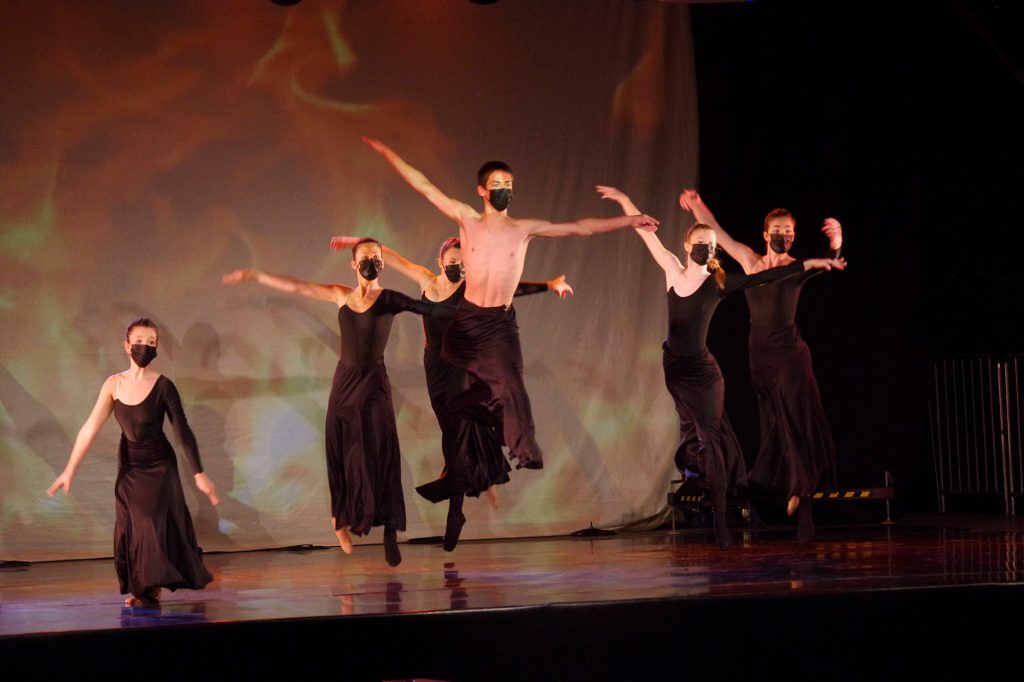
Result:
<point x="142" y="444"/>
<point x="701" y="354"/>
<point x="466" y="304"/>
<point x="372" y="362"/>
<point x="144" y="453"/>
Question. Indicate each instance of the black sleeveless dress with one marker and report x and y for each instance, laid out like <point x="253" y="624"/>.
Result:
<point x="363" y="458"/>
<point x="154" y="541"/>
<point x="797" y="455"/>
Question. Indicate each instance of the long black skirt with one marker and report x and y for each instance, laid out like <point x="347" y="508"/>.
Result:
<point x="363" y="459"/>
<point x="797" y="455"/>
<point x="484" y="342"/>
<point x="154" y="540"/>
<point x="707" y="442"/>
<point x="473" y="460"/>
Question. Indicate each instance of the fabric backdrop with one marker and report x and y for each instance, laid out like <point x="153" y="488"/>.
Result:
<point x="148" y="148"/>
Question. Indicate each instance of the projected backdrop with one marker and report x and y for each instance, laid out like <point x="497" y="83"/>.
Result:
<point x="148" y="148"/>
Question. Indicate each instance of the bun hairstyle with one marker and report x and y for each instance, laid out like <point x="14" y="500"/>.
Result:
<point x="450" y="243"/>
<point x="364" y="240"/>
<point x="141" y="322"/>
<point x="714" y="265"/>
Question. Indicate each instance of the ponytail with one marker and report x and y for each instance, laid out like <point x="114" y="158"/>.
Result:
<point x="715" y="266"/>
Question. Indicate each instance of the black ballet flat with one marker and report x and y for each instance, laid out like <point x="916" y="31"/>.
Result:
<point x="391" y="552"/>
<point x="452" y="530"/>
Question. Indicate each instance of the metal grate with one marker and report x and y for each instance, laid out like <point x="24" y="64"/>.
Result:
<point x="976" y="418"/>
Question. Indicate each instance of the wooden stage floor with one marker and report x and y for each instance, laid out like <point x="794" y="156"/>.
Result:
<point x="522" y="583"/>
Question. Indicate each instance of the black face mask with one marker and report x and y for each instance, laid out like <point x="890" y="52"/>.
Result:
<point x="500" y="198"/>
<point x="454" y="272"/>
<point x="780" y="243"/>
<point x="143" y="354"/>
<point x="370" y="268"/>
<point x="700" y="253"/>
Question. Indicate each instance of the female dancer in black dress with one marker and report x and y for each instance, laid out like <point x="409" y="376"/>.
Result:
<point x="797" y="455"/>
<point x="473" y="460"/>
<point x="708" y="448"/>
<point x="363" y="466"/>
<point x="154" y="541"/>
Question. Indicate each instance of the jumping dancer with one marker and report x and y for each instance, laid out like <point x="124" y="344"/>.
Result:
<point x="708" y="448"/>
<point x="483" y="338"/>
<point x="797" y="455"/>
<point x="363" y="465"/>
<point x="154" y="541"/>
<point x="473" y="460"/>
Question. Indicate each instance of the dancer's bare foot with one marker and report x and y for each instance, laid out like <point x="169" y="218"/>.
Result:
<point x="150" y="597"/>
<point x="791" y="506"/>
<point x="492" y="497"/>
<point x="344" y="540"/>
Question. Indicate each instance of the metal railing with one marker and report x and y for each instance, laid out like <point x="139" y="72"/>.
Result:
<point x="976" y="418"/>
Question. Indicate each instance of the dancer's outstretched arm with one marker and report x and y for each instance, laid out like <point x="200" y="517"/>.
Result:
<point x="588" y="226"/>
<point x="668" y="261"/>
<point x="558" y="286"/>
<point x="336" y="293"/>
<point x="824" y="263"/>
<point x="690" y="201"/>
<point x="452" y="208"/>
<point x="833" y="231"/>
<point x="424" y="277"/>
<point x="392" y="259"/>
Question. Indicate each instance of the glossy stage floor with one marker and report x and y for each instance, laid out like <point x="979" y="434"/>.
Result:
<point x="925" y="594"/>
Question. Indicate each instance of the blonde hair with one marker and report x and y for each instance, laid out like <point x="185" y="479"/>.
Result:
<point x="714" y="265"/>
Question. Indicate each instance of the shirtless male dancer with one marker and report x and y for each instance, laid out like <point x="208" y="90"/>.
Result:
<point x="483" y="338"/>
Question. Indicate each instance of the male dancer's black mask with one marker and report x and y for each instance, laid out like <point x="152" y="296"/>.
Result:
<point x="454" y="272"/>
<point x="370" y="268"/>
<point x="780" y="243"/>
<point x="500" y="198"/>
<point x="143" y="354"/>
<point x="700" y="253"/>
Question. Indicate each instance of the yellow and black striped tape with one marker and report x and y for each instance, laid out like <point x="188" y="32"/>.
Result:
<point x="855" y="494"/>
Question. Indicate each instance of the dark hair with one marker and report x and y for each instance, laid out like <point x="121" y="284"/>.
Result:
<point x="488" y="168"/>
<point x="141" y="322"/>
<point x="364" y="240"/>
<point x="778" y="213"/>
<point x="450" y="243"/>
<point x="714" y="265"/>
